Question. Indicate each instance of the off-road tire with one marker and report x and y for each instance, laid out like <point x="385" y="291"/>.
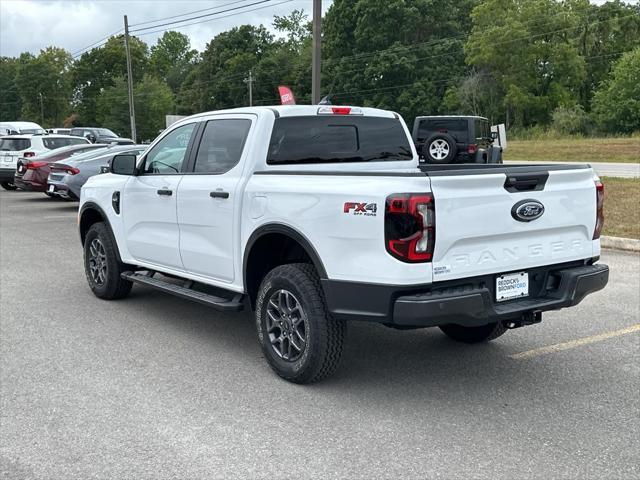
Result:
<point x="484" y="333"/>
<point x="453" y="149"/>
<point x="8" y="186"/>
<point x="114" y="286"/>
<point x="325" y="336"/>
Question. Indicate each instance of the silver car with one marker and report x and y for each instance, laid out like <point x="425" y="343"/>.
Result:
<point x="68" y="176"/>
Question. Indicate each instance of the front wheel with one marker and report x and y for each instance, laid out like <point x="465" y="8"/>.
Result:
<point x="484" y="333"/>
<point x="299" y="338"/>
<point x="102" y="264"/>
<point x="8" y="186"/>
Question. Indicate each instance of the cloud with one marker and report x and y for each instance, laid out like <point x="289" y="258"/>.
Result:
<point x="30" y="25"/>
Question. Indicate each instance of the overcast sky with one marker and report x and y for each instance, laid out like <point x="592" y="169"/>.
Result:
<point x="29" y="25"/>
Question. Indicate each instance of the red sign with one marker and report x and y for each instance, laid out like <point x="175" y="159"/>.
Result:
<point x="286" y="96"/>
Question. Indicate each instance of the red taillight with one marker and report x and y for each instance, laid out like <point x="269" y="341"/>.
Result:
<point x="410" y="226"/>
<point x="34" y="165"/>
<point x="599" y="209"/>
<point x="72" y="171"/>
<point x="29" y="154"/>
<point x="473" y="148"/>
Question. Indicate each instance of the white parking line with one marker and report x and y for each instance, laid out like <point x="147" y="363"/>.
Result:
<point x="558" y="347"/>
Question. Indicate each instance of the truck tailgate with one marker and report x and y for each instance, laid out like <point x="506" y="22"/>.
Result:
<point x="478" y="231"/>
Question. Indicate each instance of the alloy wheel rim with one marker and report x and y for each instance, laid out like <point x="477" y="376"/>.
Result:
<point x="439" y="149"/>
<point x="97" y="262"/>
<point x="286" y="325"/>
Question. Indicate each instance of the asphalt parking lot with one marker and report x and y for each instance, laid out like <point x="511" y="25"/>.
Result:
<point x="156" y="387"/>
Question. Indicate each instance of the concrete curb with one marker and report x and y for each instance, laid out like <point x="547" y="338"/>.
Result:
<point x="618" y="243"/>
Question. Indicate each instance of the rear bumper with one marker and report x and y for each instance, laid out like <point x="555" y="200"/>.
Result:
<point x="468" y="302"/>
<point x="7" y="174"/>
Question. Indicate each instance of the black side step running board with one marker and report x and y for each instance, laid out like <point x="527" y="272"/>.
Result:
<point x="220" y="303"/>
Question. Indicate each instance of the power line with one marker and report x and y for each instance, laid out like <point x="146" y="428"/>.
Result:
<point x="200" y="16"/>
<point x="77" y="53"/>
<point x="217" y="18"/>
<point x="185" y="14"/>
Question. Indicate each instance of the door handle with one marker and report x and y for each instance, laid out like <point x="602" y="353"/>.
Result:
<point x="219" y="194"/>
<point x="163" y="191"/>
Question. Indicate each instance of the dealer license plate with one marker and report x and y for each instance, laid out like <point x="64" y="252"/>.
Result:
<point x="512" y="285"/>
<point x="52" y="188"/>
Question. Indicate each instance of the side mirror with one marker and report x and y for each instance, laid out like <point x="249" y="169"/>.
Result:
<point x="105" y="169"/>
<point x="123" y="165"/>
<point x="494" y="135"/>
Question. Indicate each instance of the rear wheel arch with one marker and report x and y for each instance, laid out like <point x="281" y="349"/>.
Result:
<point x="271" y="246"/>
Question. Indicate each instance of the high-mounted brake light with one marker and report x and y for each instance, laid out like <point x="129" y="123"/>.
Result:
<point x="34" y="165"/>
<point x="331" y="110"/>
<point x="410" y="226"/>
<point x="599" y="209"/>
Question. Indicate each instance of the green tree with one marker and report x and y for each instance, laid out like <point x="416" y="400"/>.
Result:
<point x="44" y="86"/>
<point x="528" y="47"/>
<point x="99" y="68"/>
<point x="153" y="100"/>
<point x="10" y="100"/>
<point x="172" y="58"/>
<point x="617" y="102"/>
<point x="398" y="54"/>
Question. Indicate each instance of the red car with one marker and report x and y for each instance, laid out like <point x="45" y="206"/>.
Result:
<point x="32" y="173"/>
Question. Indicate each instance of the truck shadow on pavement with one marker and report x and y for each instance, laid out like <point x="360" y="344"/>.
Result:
<point x="376" y="359"/>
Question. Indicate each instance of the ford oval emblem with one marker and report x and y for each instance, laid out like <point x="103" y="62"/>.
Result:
<point x="527" y="210"/>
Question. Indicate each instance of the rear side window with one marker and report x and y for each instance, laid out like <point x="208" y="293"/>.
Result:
<point x="482" y="128"/>
<point x="221" y="145"/>
<point x="457" y="128"/>
<point x="333" y="139"/>
<point x="14" y="144"/>
<point x="52" y="142"/>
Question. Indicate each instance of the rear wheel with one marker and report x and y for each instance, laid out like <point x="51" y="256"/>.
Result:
<point x="484" y="333"/>
<point x="8" y="186"/>
<point x="299" y="338"/>
<point x="102" y="264"/>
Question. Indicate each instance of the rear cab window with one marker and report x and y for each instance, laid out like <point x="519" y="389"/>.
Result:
<point x="14" y="144"/>
<point x="455" y="127"/>
<point x="337" y="139"/>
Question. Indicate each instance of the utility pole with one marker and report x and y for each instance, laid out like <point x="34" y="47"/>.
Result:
<point x="315" y="56"/>
<point x="249" y="81"/>
<point x="132" y="110"/>
<point x="41" y="109"/>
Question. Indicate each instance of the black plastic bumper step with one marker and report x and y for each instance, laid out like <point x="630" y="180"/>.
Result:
<point x="220" y="303"/>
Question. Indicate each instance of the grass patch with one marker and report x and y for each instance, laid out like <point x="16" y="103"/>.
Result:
<point x="614" y="149"/>
<point x="621" y="207"/>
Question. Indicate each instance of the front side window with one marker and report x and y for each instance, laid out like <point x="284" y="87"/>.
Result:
<point x="167" y="156"/>
<point x="333" y="139"/>
<point x="221" y="145"/>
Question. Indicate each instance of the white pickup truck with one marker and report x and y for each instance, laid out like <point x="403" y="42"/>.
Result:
<point x="315" y="215"/>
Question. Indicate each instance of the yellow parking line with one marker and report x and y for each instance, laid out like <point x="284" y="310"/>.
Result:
<point x="558" y="347"/>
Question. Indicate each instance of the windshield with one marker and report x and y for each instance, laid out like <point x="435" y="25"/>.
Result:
<point x="105" y="132"/>
<point x="14" y="144"/>
<point x="332" y="139"/>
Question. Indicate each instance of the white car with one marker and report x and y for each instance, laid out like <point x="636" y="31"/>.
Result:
<point x="316" y="215"/>
<point x="16" y="128"/>
<point x="13" y="147"/>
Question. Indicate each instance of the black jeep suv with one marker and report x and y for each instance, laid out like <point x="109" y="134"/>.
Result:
<point x="455" y="139"/>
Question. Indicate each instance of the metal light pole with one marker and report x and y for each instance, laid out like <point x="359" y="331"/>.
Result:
<point x="132" y="110"/>
<point x="315" y="57"/>
<point x="41" y="109"/>
<point x="249" y="81"/>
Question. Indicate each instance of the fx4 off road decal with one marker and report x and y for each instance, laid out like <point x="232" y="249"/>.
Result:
<point x="356" y="208"/>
